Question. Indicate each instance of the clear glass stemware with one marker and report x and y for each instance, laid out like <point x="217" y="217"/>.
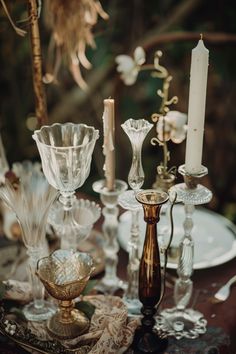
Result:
<point x="136" y="130"/>
<point x="31" y="199"/>
<point x="66" y="153"/>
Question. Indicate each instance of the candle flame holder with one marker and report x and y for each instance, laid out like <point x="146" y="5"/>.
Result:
<point x="65" y="274"/>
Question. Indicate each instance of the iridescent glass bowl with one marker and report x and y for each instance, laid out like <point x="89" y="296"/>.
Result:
<point x="65" y="274"/>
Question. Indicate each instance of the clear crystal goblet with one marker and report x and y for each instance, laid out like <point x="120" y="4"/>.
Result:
<point x="136" y="130"/>
<point x="66" y="153"/>
<point x="30" y="200"/>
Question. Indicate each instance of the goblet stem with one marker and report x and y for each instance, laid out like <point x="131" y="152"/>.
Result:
<point x="66" y="306"/>
<point x="133" y="266"/>
<point x="111" y="246"/>
<point x="68" y="231"/>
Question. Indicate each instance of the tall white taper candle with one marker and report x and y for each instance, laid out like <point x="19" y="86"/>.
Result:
<point x="196" y="108"/>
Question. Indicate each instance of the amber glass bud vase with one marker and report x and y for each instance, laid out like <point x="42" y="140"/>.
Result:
<point x="146" y="339"/>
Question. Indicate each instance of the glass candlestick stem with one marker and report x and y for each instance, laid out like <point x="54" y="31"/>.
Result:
<point x="128" y="201"/>
<point x="110" y="282"/>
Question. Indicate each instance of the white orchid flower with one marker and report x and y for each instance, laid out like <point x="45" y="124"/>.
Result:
<point x="175" y="127"/>
<point x="129" y="67"/>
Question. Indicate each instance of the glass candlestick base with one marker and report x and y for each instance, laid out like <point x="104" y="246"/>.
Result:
<point x="181" y="324"/>
<point x="110" y="283"/>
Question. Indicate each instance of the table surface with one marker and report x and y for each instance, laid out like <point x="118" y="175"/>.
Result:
<point x="206" y="282"/>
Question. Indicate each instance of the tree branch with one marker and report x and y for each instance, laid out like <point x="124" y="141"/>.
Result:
<point x="76" y="97"/>
<point x="211" y="37"/>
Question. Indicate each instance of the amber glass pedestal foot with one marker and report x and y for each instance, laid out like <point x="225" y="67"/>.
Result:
<point x="146" y="339"/>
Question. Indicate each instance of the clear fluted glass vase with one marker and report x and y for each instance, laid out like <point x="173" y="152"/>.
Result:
<point x="136" y="130"/>
<point x="66" y="153"/>
<point x="31" y="198"/>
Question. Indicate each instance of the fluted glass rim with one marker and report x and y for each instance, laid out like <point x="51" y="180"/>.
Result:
<point x="146" y="125"/>
<point x="44" y="127"/>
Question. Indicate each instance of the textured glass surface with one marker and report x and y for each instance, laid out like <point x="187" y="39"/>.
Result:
<point x="31" y="201"/>
<point x="136" y="129"/>
<point x="65" y="273"/>
<point x="84" y="214"/>
<point x="128" y="201"/>
<point x="199" y="195"/>
<point x="110" y="282"/>
<point x="66" y="152"/>
<point x="181" y="321"/>
<point x="179" y="324"/>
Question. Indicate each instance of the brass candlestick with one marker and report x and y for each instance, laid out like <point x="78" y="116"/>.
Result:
<point x="151" y="281"/>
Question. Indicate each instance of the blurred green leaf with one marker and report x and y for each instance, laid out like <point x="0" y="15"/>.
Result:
<point x="89" y="287"/>
<point x="86" y="307"/>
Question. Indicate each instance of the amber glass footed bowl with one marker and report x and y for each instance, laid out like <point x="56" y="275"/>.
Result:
<point x="65" y="274"/>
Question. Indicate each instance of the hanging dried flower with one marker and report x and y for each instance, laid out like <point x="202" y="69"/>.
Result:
<point x="72" y="23"/>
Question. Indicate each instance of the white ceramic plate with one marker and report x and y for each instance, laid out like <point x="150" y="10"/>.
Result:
<point x="214" y="236"/>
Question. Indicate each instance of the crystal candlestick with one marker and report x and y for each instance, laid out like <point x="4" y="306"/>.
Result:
<point x="181" y="321"/>
<point x="110" y="282"/>
<point x="136" y="130"/>
<point x="66" y="153"/>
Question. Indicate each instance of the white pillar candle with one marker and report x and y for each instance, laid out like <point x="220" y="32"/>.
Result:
<point x="108" y="143"/>
<point x="196" y="108"/>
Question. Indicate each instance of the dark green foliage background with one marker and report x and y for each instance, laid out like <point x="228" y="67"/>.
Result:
<point x="131" y="23"/>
